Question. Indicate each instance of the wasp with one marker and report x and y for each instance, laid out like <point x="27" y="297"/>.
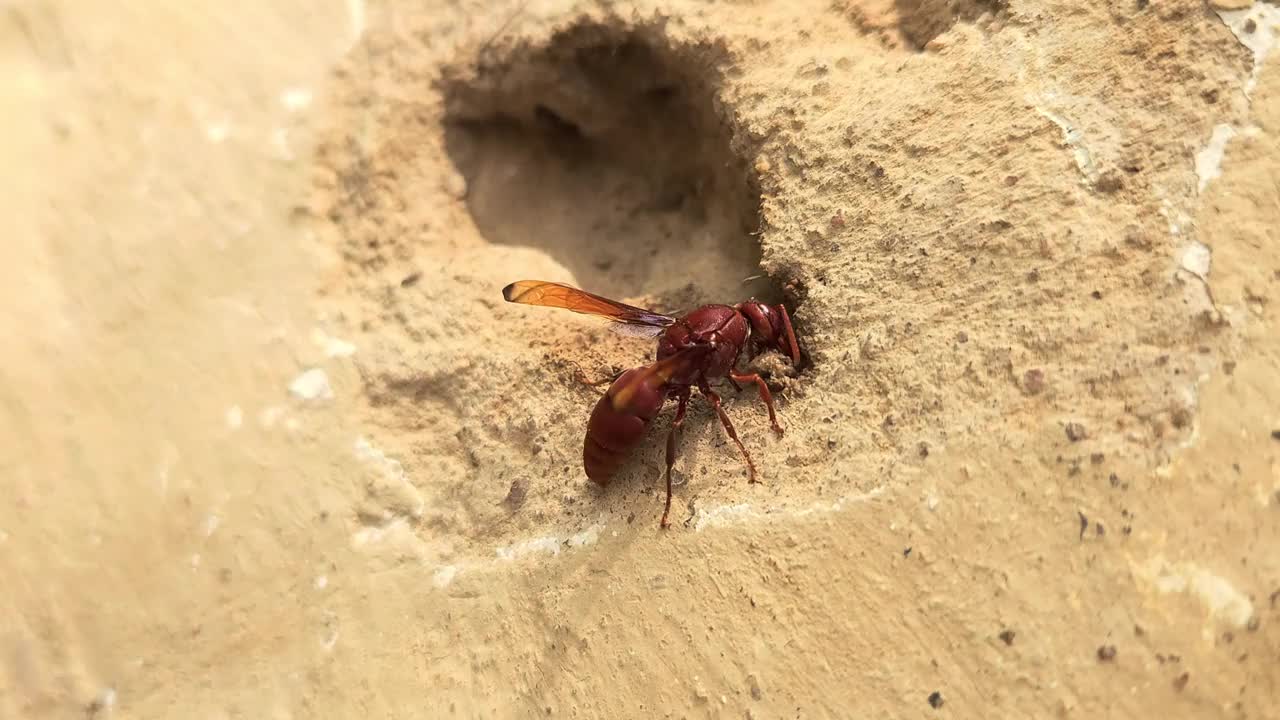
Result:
<point x="694" y="349"/>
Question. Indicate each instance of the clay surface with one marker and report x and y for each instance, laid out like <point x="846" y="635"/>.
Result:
<point x="274" y="446"/>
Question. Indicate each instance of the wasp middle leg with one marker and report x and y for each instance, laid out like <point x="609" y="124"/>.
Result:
<point x="728" y="427"/>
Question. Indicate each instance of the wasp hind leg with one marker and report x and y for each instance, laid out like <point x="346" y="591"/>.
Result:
<point x="728" y="427"/>
<point x="682" y="403"/>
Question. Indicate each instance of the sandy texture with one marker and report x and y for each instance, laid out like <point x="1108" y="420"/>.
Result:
<point x="273" y="445"/>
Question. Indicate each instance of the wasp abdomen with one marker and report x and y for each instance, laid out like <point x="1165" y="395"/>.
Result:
<point x="619" y="422"/>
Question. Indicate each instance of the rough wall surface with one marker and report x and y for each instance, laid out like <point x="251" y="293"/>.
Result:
<point x="276" y="447"/>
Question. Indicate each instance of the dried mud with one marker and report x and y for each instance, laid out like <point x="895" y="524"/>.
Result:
<point x="279" y="447"/>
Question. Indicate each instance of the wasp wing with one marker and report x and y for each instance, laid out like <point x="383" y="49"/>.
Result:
<point x="639" y="331"/>
<point x="659" y="373"/>
<point x="552" y="294"/>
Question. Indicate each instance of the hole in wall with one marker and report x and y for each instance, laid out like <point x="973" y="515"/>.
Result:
<point x="923" y="20"/>
<point x="607" y="149"/>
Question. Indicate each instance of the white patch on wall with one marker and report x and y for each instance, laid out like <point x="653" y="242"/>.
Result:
<point x="1196" y="259"/>
<point x="1209" y="159"/>
<point x="295" y="99"/>
<point x="444" y="575"/>
<point x="329" y="637"/>
<point x="1266" y="21"/>
<point x="1224" y="602"/>
<point x="549" y="545"/>
<point x="355" y="20"/>
<point x="586" y="537"/>
<point x="373" y="534"/>
<point x="333" y="347"/>
<point x="312" y="385"/>
<point x="217" y="132"/>
<point x="235" y="417"/>
<point x="166" y="469"/>
<point x="725" y="515"/>
<point x="1074" y="139"/>
<point x="366" y="452"/>
<point x="395" y="492"/>
<point x="280" y="143"/>
<point x="104" y="704"/>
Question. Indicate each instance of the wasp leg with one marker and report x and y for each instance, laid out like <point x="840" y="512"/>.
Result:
<point x="728" y="426"/>
<point x="789" y="333"/>
<point x="735" y="385"/>
<point x="764" y="395"/>
<point x="683" y="402"/>
<point x="582" y="378"/>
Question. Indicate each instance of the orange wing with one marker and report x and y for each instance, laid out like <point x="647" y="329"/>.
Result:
<point x="551" y="294"/>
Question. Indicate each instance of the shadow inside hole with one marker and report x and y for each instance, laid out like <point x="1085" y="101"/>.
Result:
<point x="923" y="20"/>
<point x="606" y="152"/>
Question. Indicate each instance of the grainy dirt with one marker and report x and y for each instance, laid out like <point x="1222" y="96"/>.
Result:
<point x="275" y="446"/>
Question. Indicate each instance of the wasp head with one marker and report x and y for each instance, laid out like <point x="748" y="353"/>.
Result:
<point x="771" y="328"/>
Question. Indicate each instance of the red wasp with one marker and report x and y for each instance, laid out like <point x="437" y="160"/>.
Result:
<point x="693" y="350"/>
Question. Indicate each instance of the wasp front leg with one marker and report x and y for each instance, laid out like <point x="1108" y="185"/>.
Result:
<point x="764" y="395"/>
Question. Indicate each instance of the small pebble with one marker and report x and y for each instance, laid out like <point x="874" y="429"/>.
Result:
<point x="516" y="494"/>
<point x="1106" y="653"/>
<point x="456" y="186"/>
<point x="1033" y="381"/>
<point x="935" y="700"/>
